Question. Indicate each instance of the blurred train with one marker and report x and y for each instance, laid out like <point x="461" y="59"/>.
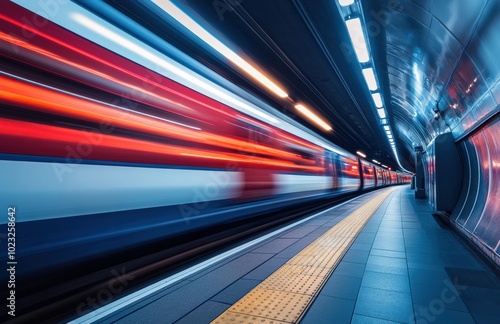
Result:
<point x="107" y="143"/>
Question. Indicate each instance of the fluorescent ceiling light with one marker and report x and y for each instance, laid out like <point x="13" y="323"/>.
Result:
<point x="308" y="113"/>
<point x="389" y="136"/>
<point x="375" y="161"/>
<point x="386" y="128"/>
<point x="381" y="113"/>
<point x="385" y="166"/>
<point x="358" y="39"/>
<point x="361" y="154"/>
<point x="370" y="78"/>
<point x="377" y="99"/>
<point x="345" y="3"/>
<point x="208" y="38"/>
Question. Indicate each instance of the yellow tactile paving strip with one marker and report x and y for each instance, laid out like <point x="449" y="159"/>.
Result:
<point x="286" y="294"/>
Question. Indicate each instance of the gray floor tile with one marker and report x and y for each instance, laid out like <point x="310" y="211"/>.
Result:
<point x="204" y="314"/>
<point x="341" y="287"/>
<point x="424" y="266"/>
<point x="390" y="235"/>
<point x="389" y="239"/>
<point x="474" y="278"/>
<point x="386" y="281"/>
<point x="329" y="310"/>
<point x="361" y="319"/>
<point x="350" y="269"/>
<point x="436" y="313"/>
<point x="475" y="294"/>
<point x="384" y="304"/>
<point x="386" y="269"/>
<point x="234" y="292"/>
<point x="414" y="225"/>
<point x="364" y="240"/>
<point x="387" y="261"/>
<point x="299" y="232"/>
<point x="389" y="246"/>
<point x="438" y="296"/>
<point x="484" y="311"/>
<point x="361" y="246"/>
<point x="275" y="246"/>
<point x="265" y="269"/>
<point x="356" y="256"/>
<point x="419" y="277"/>
<point x="296" y="247"/>
<point x="424" y="258"/>
<point x="387" y="253"/>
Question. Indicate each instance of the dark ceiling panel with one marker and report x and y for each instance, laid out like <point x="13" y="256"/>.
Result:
<point x="484" y="48"/>
<point x="406" y="34"/>
<point x="458" y="16"/>
<point x="441" y="54"/>
<point x="425" y="4"/>
<point x="417" y="12"/>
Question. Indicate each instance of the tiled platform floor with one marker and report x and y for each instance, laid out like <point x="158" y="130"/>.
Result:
<point x="405" y="266"/>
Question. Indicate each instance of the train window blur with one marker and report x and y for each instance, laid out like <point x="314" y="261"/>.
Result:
<point x="350" y="168"/>
<point x="368" y="175"/>
<point x="380" y="177"/>
<point x="306" y="158"/>
<point x="393" y="178"/>
<point x="368" y="171"/>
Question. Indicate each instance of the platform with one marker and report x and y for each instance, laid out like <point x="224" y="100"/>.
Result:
<point x="405" y="266"/>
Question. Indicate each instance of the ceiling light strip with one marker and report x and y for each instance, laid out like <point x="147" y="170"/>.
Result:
<point x="313" y="117"/>
<point x="357" y="35"/>
<point x="361" y="154"/>
<point x="209" y="39"/>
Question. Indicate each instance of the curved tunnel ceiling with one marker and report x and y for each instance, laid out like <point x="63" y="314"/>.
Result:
<point x="421" y="50"/>
<point x="427" y="58"/>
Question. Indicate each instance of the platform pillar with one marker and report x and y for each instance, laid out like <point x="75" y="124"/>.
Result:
<point x="419" y="177"/>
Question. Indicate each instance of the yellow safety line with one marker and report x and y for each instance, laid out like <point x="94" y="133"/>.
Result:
<point x="286" y="294"/>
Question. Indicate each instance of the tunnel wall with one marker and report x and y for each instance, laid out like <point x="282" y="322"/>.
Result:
<point x="477" y="213"/>
<point x="470" y="107"/>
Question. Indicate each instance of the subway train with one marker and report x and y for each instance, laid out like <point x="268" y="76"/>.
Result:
<point x="107" y="144"/>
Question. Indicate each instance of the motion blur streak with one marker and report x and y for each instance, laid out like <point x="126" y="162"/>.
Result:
<point x="22" y="94"/>
<point x="84" y="21"/>
<point x="42" y="140"/>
